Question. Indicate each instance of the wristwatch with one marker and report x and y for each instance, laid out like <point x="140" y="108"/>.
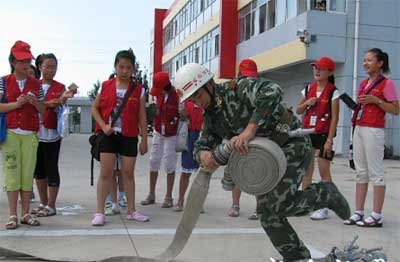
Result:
<point x="380" y="102"/>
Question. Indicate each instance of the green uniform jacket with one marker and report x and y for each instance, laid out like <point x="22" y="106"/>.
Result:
<point x="237" y="103"/>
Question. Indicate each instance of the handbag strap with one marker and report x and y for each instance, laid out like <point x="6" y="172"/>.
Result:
<point x="128" y="93"/>
<point x="357" y="109"/>
<point x="3" y="98"/>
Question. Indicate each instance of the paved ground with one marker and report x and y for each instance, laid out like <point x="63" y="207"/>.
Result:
<point x="217" y="237"/>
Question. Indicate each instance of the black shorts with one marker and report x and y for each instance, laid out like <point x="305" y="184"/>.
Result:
<point x="47" y="163"/>
<point x="119" y="144"/>
<point x="318" y="140"/>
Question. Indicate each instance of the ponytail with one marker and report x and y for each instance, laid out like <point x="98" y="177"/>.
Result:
<point x="381" y="56"/>
<point x="112" y="76"/>
<point x="11" y="59"/>
<point x="331" y="79"/>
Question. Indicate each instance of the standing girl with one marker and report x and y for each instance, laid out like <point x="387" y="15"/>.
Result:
<point x="122" y="137"/>
<point x="194" y="114"/>
<point x="377" y="96"/>
<point x="320" y="104"/>
<point x="46" y="171"/>
<point x="164" y="137"/>
<point x="23" y="96"/>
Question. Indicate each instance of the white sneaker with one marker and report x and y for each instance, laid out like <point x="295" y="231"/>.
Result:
<point x="122" y="201"/>
<point x="108" y="204"/>
<point x="112" y="210"/>
<point x="320" y="214"/>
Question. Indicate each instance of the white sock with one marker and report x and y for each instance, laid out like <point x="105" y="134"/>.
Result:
<point x="359" y="212"/>
<point x="377" y="216"/>
<point x="108" y="198"/>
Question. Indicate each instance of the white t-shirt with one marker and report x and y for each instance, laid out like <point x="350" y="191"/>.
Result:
<point x="335" y="95"/>
<point x="46" y="135"/>
<point x="120" y="96"/>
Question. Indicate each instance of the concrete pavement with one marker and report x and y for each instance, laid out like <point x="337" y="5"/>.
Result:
<point x="217" y="236"/>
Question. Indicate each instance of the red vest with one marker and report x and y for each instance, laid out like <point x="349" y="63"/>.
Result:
<point x="167" y="114"/>
<point x="195" y="116"/>
<point x="372" y="115"/>
<point x="26" y="117"/>
<point x="321" y="110"/>
<point x="130" y="113"/>
<point x="50" y="116"/>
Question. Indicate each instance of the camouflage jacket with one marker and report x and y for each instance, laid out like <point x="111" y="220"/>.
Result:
<point x="238" y="102"/>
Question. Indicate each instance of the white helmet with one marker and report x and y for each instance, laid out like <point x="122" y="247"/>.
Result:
<point x="190" y="78"/>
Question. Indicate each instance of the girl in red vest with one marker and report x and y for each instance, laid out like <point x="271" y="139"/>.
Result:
<point x="46" y="171"/>
<point x="320" y="104"/>
<point x="122" y="137"/>
<point x="377" y="96"/>
<point x="164" y="137"/>
<point x="194" y="114"/>
<point x="23" y="95"/>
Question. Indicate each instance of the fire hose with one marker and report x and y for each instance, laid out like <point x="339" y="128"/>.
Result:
<point x="264" y="165"/>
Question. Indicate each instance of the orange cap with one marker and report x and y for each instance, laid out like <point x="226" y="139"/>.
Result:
<point x="160" y="81"/>
<point x="324" y="63"/>
<point x="248" y="67"/>
<point x="21" y="51"/>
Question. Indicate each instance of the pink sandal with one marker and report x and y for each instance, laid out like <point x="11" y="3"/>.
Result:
<point x="99" y="219"/>
<point x="137" y="216"/>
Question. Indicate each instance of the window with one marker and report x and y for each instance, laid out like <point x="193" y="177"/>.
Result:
<point x="195" y="8"/>
<point x="196" y="55"/>
<point x="271" y="19"/>
<point x="246" y="22"/>
<point x="216" y="45"/>
<point x="262" y="19"/>
<point x="190" y="10"/>
<point x="291" y="8"/>
<point x="301" y="6"/>
<point x="247" y="27"/>
<point x="280" y="11"/>
<point x="337" y="6"/>
<point x="319" y="5"/>
<point x="209" y="48"/>
<point x="175" y="27"/>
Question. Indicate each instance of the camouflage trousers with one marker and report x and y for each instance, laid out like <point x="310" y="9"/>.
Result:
<point x="286" y="200"/>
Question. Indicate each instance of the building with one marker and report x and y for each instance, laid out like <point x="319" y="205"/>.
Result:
<point x="283" y="37"/>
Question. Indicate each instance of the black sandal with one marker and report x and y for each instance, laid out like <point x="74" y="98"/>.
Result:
<point x="351" y="221"/>
<point x="375" y="222"/>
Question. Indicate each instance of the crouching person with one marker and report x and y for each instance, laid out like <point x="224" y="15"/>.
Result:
<point x="244" y="108"/>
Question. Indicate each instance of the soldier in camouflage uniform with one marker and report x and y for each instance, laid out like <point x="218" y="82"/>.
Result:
<point x="244" y="108"/>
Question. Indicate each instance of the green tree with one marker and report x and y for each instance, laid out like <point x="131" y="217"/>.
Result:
<point x="95" y="90"/>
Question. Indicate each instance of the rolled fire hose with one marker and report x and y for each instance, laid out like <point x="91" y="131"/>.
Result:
<point x="260" y="170"/>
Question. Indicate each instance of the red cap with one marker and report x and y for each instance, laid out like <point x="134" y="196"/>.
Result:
<point x="160" y="81"/>
<point x="248" y="67"/>
<point x="324" y="63"/>
<point x="21" y="51"/>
